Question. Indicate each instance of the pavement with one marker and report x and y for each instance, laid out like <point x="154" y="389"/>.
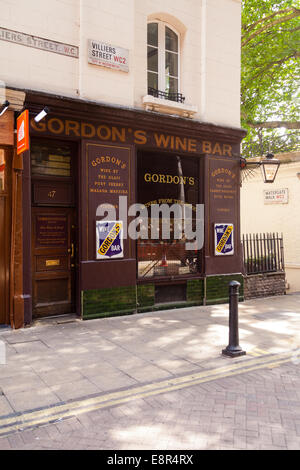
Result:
<point x="154" y="381"/>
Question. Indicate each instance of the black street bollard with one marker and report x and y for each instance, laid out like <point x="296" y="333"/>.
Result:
<point x="233" y="349"/>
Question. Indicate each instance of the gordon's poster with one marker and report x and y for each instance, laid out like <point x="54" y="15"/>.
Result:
<point x="109" y="235"/>
<point x="224" y="239"/>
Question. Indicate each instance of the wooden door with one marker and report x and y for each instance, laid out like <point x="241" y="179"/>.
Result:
<point x="54" y="260"/>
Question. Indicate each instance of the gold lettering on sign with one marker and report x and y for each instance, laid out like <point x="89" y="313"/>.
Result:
<point x="140" y="137"/>
<point x="39" y="127"/>
<point x="52" y="194"/>
<point x="168" y="179"/>
<point x="108" y="159"/>
<point x="223" y="171"/>
<point x="73" y="128"/>
<point x="87" y="130"/>
<point x="56" y="126"/>
<point x="106" y="132"/>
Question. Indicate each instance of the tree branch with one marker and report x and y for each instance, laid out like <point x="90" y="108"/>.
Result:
<point x="249" y="28"/>
<point x="274" y="124"/>
<point x="276" y="62"/>
<point x="269" y="25"/>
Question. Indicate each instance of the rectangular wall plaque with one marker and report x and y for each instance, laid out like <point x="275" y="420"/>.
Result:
<point x="38" y="43"/>
<point x="276" y="196"/>
<point x="106" y="55"/>
<point x="51" y="231"/>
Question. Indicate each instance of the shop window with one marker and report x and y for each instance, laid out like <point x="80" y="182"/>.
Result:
<point x="163" y="48"/>
<point x="167" y="179"/>
<point x="2" y="170"/>
<point x="49" y="159"/>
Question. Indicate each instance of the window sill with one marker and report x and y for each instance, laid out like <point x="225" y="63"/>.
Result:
<point x="151" y="103"/>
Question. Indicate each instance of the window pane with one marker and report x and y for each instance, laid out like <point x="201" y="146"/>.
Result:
<point x="50" y="160"/>
<point x="2" y="170"/>
<point x="152" y="59"/>
<point x="171" y="40"/>
<point x="153" y="80"/>
<point x="171" y="64"/>
<point x="171" y="84"/>
<point x="153" y="34"/>
<point x="173" y="179"/>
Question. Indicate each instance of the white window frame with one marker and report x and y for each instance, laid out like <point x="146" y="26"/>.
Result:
<point x="162" y="55"/>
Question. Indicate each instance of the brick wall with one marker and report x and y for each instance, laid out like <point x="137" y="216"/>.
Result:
<point x="264" y="285"/>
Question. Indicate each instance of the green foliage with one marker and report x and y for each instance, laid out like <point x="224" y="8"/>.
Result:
<point x="270" y="75"/>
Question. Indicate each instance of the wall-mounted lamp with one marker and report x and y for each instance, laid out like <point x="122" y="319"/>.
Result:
<point x="42" y="114"/>
<point x="269" y="167"/>
<point x="4" y="107"/>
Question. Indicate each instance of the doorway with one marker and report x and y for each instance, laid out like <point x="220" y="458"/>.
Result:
<point x="53" y="251"/>
<point x="54" y="228"/>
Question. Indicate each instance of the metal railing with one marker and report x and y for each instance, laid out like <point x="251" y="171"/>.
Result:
<point x="263" y="253"/>
<point x="178" y="97"/>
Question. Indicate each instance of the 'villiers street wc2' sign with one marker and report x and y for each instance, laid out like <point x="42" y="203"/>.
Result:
<point x="106" y="55"/>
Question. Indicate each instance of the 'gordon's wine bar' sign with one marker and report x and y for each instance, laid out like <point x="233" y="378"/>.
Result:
<point x="105" y="132"/>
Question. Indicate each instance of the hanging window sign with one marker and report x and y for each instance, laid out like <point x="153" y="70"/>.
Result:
<point x="109" y="235"/>
<point x="224" y="239"/>
<point x="106" y="55"/>
<point x="23" y="132"/>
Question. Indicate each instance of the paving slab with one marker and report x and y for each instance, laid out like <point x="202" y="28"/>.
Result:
<point x="32" y="399"/>
<point x="55" y="362"/>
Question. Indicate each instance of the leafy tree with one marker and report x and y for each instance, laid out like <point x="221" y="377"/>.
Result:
<point x="270" y="76"/>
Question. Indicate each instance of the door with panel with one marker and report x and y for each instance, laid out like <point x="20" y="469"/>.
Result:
<point x="53" y="230"/>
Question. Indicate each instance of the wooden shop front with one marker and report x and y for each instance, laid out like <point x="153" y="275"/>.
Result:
<point x="83" y="155"/>
<point x="6" y="159"/>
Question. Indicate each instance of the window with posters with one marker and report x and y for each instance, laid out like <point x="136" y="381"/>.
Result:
<point x="167" y="180"/>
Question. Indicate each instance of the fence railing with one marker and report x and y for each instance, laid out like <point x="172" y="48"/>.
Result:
<point x="263" y="252"/>
<point x="166" y="95"/>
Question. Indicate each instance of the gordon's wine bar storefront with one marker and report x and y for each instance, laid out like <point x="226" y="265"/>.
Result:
<point x="83" y="156"/>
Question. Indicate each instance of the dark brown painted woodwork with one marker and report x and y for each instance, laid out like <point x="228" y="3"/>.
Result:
<point x="74" y="109"/>
<point x="5" y="231"/>
<point x="53" y="260"/>
<point x="104" y="128"/>
<point x="222" y="196"/>
<point x="53" y="227"/>
<point x="109" y="160"/>
<point x="16" y="267"/>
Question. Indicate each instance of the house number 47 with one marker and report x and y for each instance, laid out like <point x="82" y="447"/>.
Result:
<point x="51" y="194"/>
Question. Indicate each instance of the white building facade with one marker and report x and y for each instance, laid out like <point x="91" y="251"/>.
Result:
<point x="274" y="208"/>
<point x="208" y="47"/>
<point x="142" y="100"/>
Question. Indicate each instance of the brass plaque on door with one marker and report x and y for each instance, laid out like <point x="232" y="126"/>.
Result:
<point x="52" y="262"/>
